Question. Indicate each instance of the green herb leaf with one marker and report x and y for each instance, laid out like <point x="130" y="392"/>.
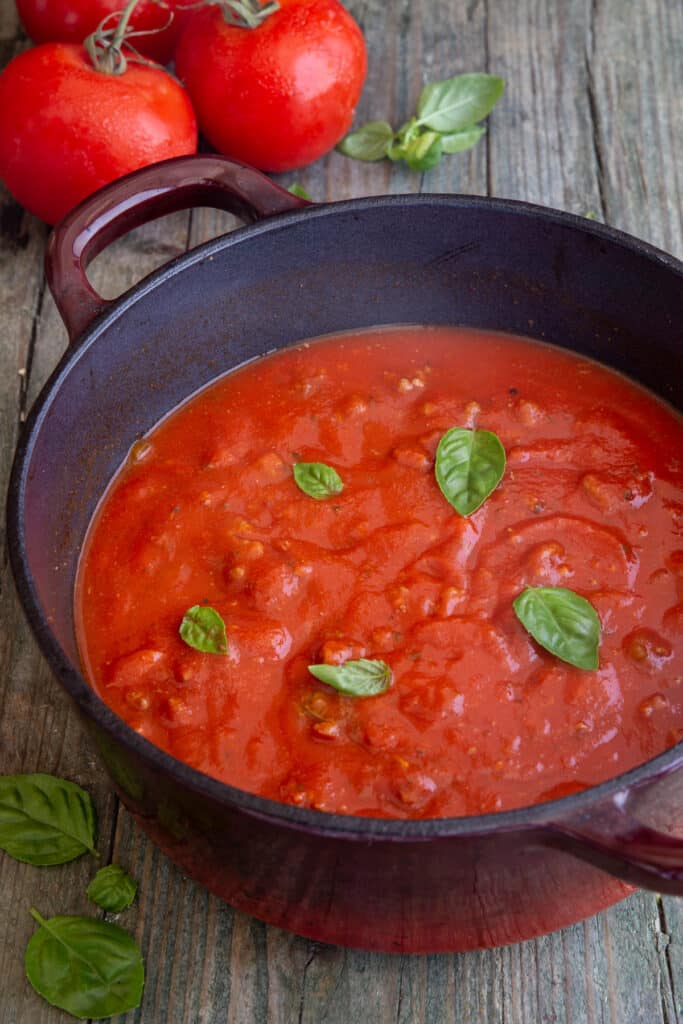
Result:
<point x="564" y="623"/>
<point x="88" y="967"/>
<point x="45" y="820"/>
<point x="362" y="678"/>
<point x="317" y="480"/>
<point x="448" y="109"/>
<point x="397" y="149"/>
<point x="456" y="142"/>
<point x="112" y="889"/>
<point x="371" y="142"/>
<point x="408" y="131"/>
<point x="458" y="102"/>
<point x="298" y="190"/>
<point x="204" y="629"/>
<point x="469" y="466"/>
<point x="424" y="152"/>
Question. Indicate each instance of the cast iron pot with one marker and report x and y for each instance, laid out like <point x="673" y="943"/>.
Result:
<point x="303" y="271"/>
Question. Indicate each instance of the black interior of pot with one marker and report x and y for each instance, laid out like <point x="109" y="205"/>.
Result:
<point x="363" y="263"/>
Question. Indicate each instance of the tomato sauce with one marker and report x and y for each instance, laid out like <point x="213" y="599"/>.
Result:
<point x="478" y="716"/>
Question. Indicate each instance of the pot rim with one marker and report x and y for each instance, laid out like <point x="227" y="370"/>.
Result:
<point x="529" y="817"/>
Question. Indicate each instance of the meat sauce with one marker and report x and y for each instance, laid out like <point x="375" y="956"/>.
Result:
<point x="478" y="716"/>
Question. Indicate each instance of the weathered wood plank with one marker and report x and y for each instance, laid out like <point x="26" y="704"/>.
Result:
<point x="635" y="63"/>
<point x="542" y="147"/>
<point x="583" y="975"/>
<point x="640" y="989"/>
<point x="39" y="729"/>
<point x="671" y="942"/>
<point x="454" y="41"/>
<point x="592" y="122"/>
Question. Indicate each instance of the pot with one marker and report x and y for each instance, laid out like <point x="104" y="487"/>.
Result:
<point x="299" y="272"/>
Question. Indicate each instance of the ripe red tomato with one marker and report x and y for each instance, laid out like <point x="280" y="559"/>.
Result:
<point x="70" y="21"/>
<point x="280" y="95"/>
<point x="66" y="128"/>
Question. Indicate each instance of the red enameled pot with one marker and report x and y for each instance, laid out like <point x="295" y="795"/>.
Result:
<point x="299" y="272"/>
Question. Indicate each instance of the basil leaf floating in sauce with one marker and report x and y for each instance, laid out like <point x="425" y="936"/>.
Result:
<point x="88" y="967"/>
<point x="563" y="622"/>
<point x="362" y="678"/>
<point x="469" y="466"/>
<point x="317" y="480"/>
<point x="204" y="629"/>
<point x="112" y="888"/>
<point x="45" y="820"/>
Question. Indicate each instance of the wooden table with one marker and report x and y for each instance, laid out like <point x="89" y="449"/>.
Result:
<point x="592" y="122"/>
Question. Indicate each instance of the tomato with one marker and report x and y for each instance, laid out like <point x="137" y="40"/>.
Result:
<point x="70" y="21"/>
<point x="66" y="128"/>
<point x="280" y="95"/>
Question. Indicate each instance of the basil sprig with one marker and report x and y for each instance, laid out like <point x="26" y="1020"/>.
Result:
<point x="45" y="820"/>
<point x="361" y="678"/>
<point x="203" y="628"/>
<point x="317" y="480"/>
<point x="112" y="888"/>
<point x="563" y="622"/>
<point x="88" y="967"/>
<point x="446" y="121"/>
<point x="469" y="466"/>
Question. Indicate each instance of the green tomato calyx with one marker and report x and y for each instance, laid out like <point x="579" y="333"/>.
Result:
<point x="247" y="13"/>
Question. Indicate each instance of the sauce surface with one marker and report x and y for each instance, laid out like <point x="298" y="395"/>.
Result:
<point x="479" y="717"/>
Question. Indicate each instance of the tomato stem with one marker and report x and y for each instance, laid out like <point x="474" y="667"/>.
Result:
<point x="120" y="30"/>
<point x="247" y="13"/>
<point x="104" y="46"/>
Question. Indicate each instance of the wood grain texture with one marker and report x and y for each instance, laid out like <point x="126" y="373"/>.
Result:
<point x="542" y="147"/>
<point x="635" y="71"/>
<point x="592" y="122"/>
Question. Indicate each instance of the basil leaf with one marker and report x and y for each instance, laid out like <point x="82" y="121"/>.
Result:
<point x="112" y="888"/>
<point x="45" y="820"/>
<point x="456" y="142"/>
<point x="469" y="466"/>
<point x="317" y="480"/>
<point x="564" y="623"/>
<point x="408" y="131"/>
<point x="88" y="967"/>
<point x="362" y="678"/>
<point x="396" y="150"/>
<point x="204" y="629"/>
<point x="458" y="102"/>
<point x="424" y="152"/>
<point x="449" y="109"/>
<point x="298" y="190"/>
<point x="370" y="142"/>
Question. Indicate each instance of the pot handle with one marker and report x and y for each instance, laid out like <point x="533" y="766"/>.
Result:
<point x="636" y="834"/>
<point x="176" y="184"/>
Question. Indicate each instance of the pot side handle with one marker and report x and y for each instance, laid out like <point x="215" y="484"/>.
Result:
<point x="176" y="184"/>
<point x="618" y="835"/>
